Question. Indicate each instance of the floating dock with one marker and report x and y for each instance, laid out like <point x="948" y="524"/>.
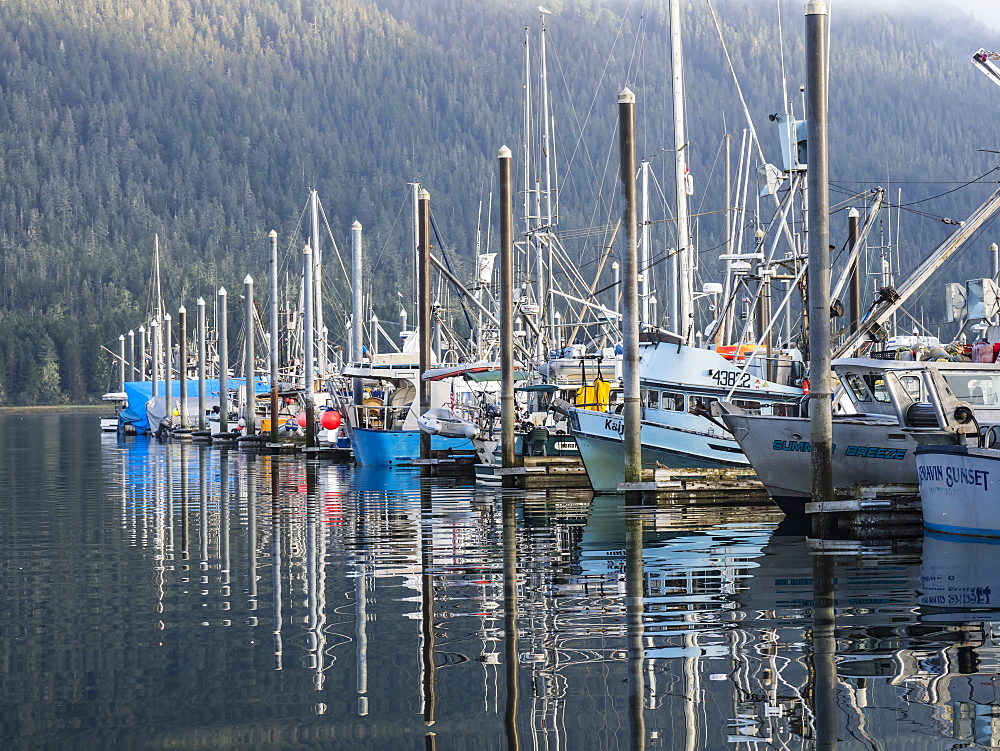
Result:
<point x="538" y="472"/>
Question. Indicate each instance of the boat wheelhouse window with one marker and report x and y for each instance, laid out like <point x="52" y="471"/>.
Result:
<point x="747" y="404"/>
<point x="978" y="390"/>
<point x="672" y="401"/>
<point x="876" y="384"/>
<point x="857" y="387"/>
<point x="912" y="386"/>
<point x="651" y="398"/>
<point x="701" y="404"/>
<point x="785" y="409"/>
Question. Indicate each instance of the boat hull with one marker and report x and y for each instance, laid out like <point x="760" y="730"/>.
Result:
<point x="864" y="453"/>
<point x="386" y="448"/>
<point x="960" y="489"/>
<point x="682" y="446"/>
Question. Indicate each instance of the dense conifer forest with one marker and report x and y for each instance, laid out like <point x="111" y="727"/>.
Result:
<point x="207" y="123"/>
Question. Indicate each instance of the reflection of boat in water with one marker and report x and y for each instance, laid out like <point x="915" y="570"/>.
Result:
<point x="960" y="578"/>
<point x="721" y="601"/>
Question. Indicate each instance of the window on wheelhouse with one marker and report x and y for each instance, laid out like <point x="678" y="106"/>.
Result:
<point x="652" y="400"/>
<point x="671" y="401"/>
<point x="876" y="384"/>
<point x="980" y="390"/>
<point x="701" y="405"/>
<point x="912" y="386"/>
<point x="858" y="388"/>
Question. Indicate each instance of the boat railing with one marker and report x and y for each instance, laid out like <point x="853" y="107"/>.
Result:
<point x="379" y="417"/>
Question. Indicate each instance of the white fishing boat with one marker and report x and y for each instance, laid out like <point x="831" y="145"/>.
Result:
<point x="884" y="410"/>
<point x="679" y="385"/>
<point x="118" y="399"/>
<point x="960" y="487"/>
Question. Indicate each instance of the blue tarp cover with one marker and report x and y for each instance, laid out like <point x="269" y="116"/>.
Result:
<point x="140" y="392"/>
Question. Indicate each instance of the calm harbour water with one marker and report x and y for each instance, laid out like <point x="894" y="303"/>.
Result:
<point x="171" y="596"/>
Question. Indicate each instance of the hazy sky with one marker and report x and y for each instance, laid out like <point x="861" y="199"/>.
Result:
<point x="987" y="11"/>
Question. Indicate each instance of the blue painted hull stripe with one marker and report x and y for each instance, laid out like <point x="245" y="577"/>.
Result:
<point x="969" y="531"/>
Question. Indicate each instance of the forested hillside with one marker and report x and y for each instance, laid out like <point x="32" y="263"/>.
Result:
<point x="207" y="122"/>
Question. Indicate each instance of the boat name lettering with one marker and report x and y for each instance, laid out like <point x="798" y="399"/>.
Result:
<point x="875" y="452"/>
<point x="793" y="446"/>
<point x="952" y="476"/>
<point x="974" y="596"/>
<point x="730" y="378"/>
<point x="615" y="426"/>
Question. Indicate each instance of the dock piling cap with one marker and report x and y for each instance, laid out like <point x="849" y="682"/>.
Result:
<point x="626" y="96"/>
<point x="815" y="8"/>
<point x="504" y="153"/>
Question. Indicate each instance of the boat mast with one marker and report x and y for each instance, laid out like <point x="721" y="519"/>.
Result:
<point x="317" y="310"/>
<point x="547" y="221"/>
<point x="644" y="270"/>
<point x="684" y="286"/>
<point x="415" y="188"/>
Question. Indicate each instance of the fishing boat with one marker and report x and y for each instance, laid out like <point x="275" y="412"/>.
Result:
<point x="885" y="410"/>
<point x="679" y="385"/>
<point x="118" y="400"/>
<point x="381" y="422"/>
<point x="960" y="487"/>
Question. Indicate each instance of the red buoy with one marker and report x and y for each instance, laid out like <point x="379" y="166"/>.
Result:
<point x="330" y="419"/>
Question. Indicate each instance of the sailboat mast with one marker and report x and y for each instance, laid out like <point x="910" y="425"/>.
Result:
<point x="156" y="271"/>
<point x="684" y="286"/>
<point x="644" y="270"/>
<point x="548" y="220"/>
<point x="527" y="131"/>
<point x="317" y="311"/>
<point x="415" y="187"/>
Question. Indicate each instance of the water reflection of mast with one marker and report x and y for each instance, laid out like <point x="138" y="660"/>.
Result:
<point x="225" y="573"/>
<point x="692" y="688"/>
<point x="361" y="619"/>
<point x="315" y="578"/>
<point x="250" y="467"/>
<point x="203" y="513"/>
<point x="824" y="652"/>
<point x="184" y="500"/>
<point x="427" y="642"/>
<point x="160" y="542"/>
<point x="634" y="591"/>
<point x="168" y="510"/>
<point x="510" y="622"/>
<point x="276" y="561"/>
